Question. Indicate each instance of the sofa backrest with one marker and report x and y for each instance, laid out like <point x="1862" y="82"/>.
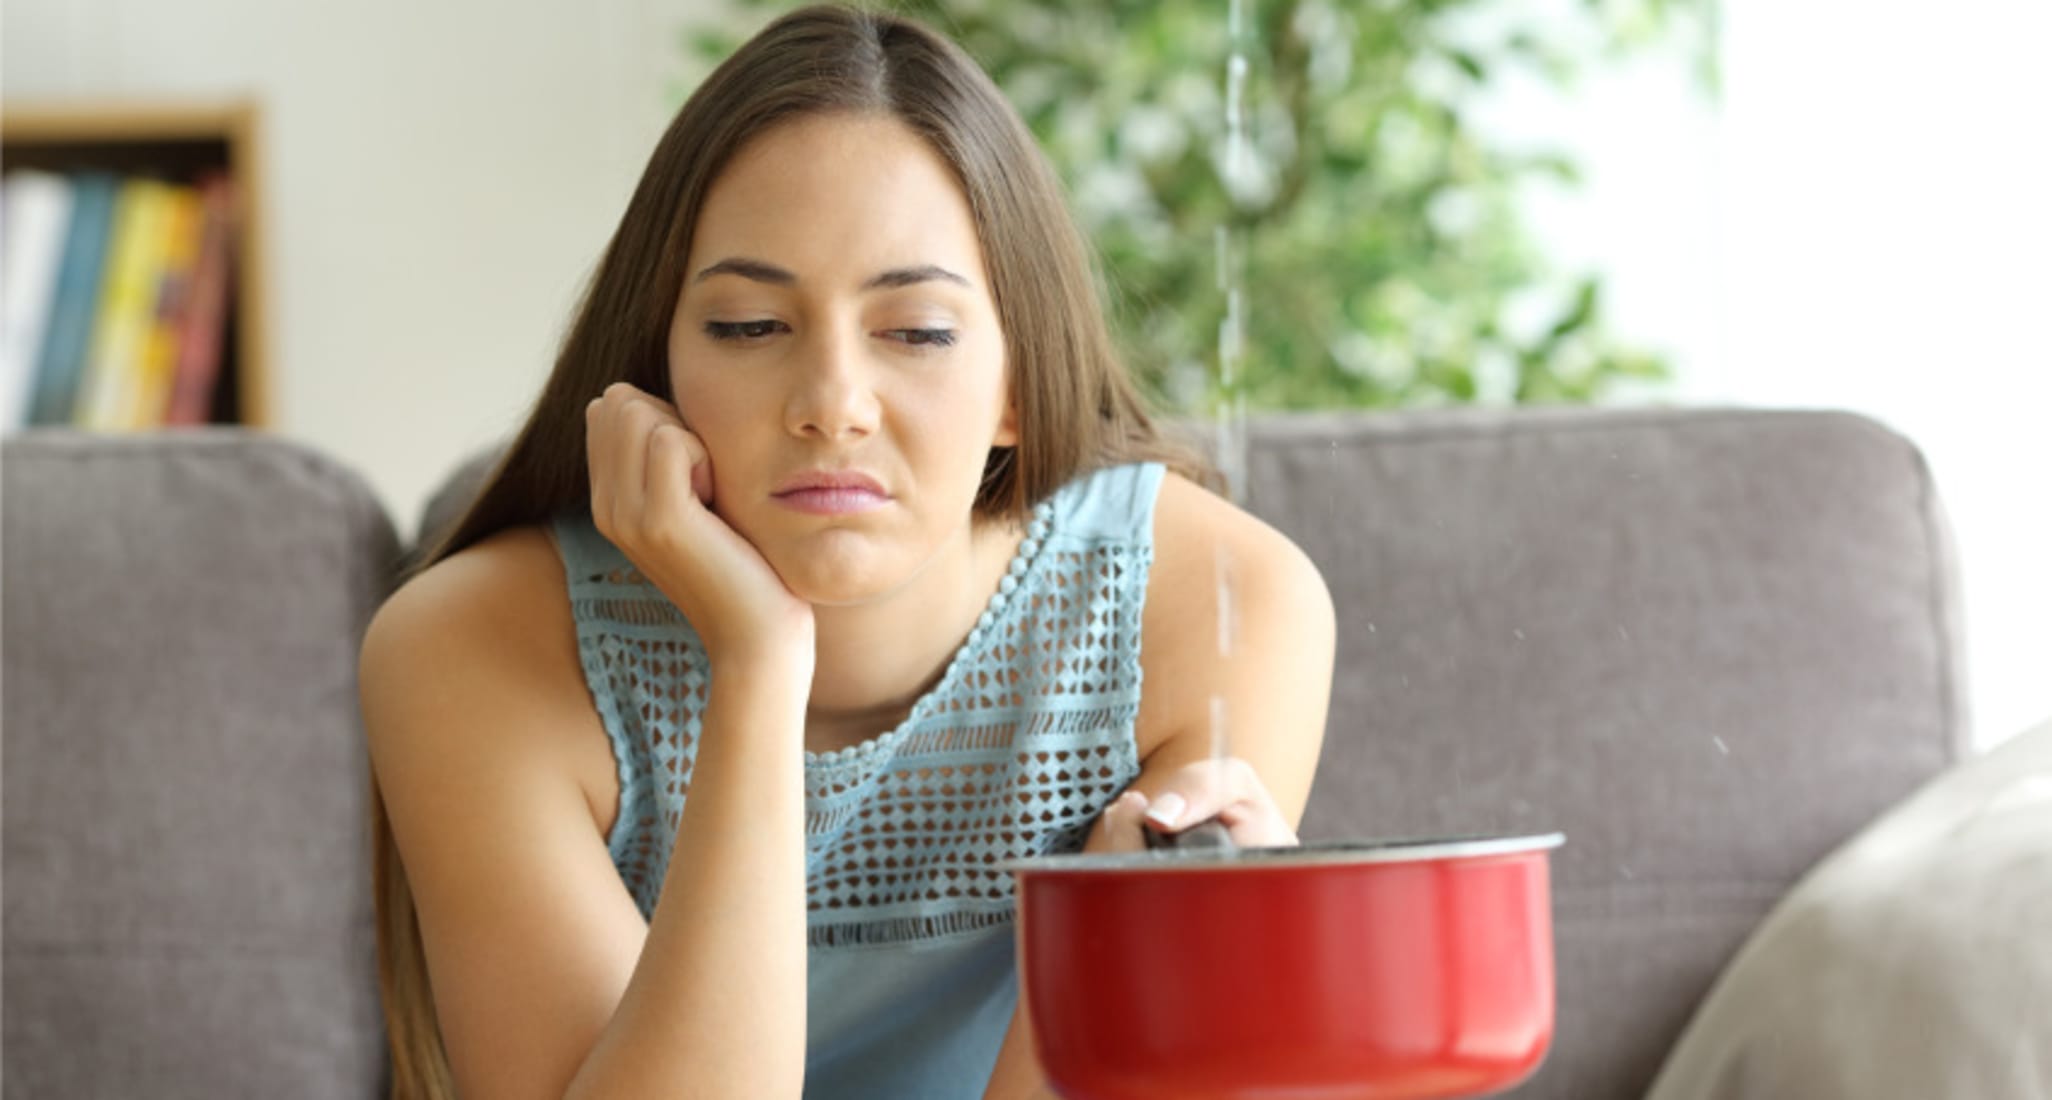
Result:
<point x="188" y="911"/>
<point x="1706" y="645"/>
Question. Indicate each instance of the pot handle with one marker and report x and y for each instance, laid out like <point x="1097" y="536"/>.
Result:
<point x="1211" y="833"/>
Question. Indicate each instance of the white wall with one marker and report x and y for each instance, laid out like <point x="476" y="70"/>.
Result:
<point x="1890" y="190"/>
<point x="1865" y="226"/>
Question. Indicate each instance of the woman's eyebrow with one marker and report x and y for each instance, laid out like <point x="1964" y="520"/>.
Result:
<point x="776" y="276"/>
<point x="907" y="276"/>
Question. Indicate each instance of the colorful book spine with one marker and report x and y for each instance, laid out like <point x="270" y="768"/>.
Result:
<point x="60" y="369"/>
<point x="128" y="301"/>
<point x="37" y="214"/>
<point x="149" y="399"/>
<point x="206" y="319"/>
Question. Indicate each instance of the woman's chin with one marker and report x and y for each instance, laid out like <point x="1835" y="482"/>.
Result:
<point x="836" y="593"/>
<point x="832" y="577"/>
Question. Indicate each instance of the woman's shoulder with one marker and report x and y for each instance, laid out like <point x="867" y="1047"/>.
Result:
<point x="479" y="647"/>
<point x="477" y="659"/>
<point x="1203" y="542"/>
<point x="493" y="597"/>
<point x="1279" y="624"/>
<point x="497" y="610"/>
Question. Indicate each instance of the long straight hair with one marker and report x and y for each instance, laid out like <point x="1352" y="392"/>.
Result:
<point x="1077" y="407"/>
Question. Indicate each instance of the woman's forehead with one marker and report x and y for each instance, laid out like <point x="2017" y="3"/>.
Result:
<point x="838" y="198"/>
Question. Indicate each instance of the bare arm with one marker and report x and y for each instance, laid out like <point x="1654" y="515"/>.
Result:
<point x="724" y="964"/>
<point x="1275" y="686"/>
<point x="546" y="979"/>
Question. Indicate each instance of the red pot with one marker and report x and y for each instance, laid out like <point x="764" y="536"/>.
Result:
<point x="1408" y="969"/>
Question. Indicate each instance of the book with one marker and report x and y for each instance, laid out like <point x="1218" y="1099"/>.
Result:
<point x="35" y="216"/>
<point x="206" y="319"/>
<point x="60" y="369"/>
<point x="128" y="300"/>
<point x="149" y="399"/>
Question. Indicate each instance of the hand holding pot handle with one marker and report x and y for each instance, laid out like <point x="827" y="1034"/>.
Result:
<point x="1208" y="835"/>
<point x="1227" y="792"/>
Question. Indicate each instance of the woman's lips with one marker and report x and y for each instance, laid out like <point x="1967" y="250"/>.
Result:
<point x="833" y="501"/>
<point x="831" y="492"/>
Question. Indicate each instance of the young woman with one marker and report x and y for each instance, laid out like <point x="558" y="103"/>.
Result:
<point x="824" y="577"/>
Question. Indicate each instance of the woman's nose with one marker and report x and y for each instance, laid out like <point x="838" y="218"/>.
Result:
<point x="831" y="394"/>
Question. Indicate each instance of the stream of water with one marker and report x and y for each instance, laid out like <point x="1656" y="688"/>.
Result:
<point x="1236" y="167"/>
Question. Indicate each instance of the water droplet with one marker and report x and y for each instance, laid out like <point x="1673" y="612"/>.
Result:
<point x="1519" y="634"/>
<point x="1226" y="609"/>
<point x="1721" y="746"/>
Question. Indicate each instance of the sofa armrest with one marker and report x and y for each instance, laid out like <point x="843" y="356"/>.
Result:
<point x="186" y="868"/>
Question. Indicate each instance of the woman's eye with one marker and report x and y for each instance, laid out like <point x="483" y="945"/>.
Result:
<point x="741" y="330"/>
<point x="924" y="337"/>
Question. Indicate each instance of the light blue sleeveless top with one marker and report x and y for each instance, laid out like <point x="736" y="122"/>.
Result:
<point x="1027" y="736"/>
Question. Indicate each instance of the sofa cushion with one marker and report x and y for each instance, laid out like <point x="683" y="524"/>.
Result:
<point x="188" y="908"/>
<point x="1914" y="963"/>
<point x="1706" y="645"/>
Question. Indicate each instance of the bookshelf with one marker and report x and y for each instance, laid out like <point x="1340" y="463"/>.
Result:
<point x="176" y="141"/>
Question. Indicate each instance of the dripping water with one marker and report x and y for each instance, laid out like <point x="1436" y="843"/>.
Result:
<point x="1228" y="403"/>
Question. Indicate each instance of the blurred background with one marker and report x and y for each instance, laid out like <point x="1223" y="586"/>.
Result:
<point x="1417" y="202"/>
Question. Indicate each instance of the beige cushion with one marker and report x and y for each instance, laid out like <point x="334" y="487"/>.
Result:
<point x="1914" y="964"/>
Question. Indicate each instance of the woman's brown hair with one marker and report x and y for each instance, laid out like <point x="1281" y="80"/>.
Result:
<point x="1077" y="407"/>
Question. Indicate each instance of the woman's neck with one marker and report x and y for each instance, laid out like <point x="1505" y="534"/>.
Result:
<point x="875" y="660"/>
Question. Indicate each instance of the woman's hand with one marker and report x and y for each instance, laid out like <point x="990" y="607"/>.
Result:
<point x="1227" y="789"/>
<point x="651" y="495"/>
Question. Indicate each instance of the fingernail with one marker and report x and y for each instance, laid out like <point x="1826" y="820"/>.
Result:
<point x="1167" y="810"/>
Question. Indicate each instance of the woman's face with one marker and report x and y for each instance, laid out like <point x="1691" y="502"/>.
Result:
<point x="837" y="348"/>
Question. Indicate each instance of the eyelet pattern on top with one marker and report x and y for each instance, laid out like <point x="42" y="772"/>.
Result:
<point x="1024" y="739"/>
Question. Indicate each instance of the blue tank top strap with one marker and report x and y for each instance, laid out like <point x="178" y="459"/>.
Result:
<point x="607" y="590"/>
<point x="1112" y="504"/>
<point x="587" y="555"/>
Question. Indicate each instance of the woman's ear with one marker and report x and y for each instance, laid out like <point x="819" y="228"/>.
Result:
<point x="1008" y="427"/>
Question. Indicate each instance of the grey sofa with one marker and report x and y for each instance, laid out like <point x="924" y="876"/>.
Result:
<point x="1707" y="645"/>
